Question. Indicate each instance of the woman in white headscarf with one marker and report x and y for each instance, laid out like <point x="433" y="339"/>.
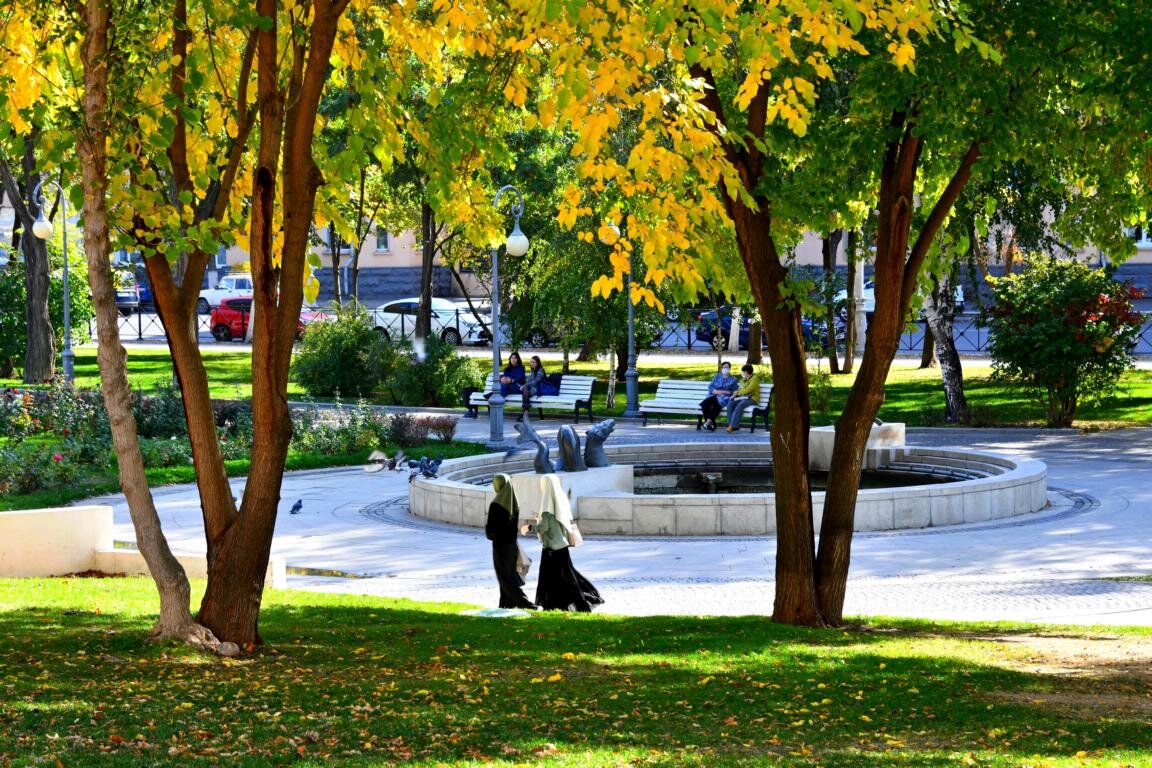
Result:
<point x="560" y="587"/>
<point x="501" y="529"/>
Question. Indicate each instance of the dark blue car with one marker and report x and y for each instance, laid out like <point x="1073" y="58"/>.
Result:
<point x="706" y="330"/>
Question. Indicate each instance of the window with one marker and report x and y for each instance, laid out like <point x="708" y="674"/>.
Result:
<point x="221" y="258"/>
<point x="382" y="239"/>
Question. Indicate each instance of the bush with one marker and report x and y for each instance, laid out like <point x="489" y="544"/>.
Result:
<point x="444" y="427"/>
<point x="343" y="356"/>
<point x="28" y="468"/>
<point x="339" y="430"/>
<point x="1061" y="332"/>
<point x="437" y="378"/>
<point x="405" y="430"/>
<point x="160" y="414"/>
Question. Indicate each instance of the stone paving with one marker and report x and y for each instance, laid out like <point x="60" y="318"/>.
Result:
<point x="1057" y="565"/>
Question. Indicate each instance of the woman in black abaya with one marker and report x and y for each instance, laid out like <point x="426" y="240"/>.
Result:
<point x="560" y="587"/>
<point x="501" y="529"/>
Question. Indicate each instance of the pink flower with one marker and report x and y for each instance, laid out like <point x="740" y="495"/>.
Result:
<point x="57" y="457"/>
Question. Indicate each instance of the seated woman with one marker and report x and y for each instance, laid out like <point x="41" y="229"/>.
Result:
<point x="532" y="382"/>
<point x="747" y="395"/>
<point x="513" y="377"/>
<point x="720" y="391"/>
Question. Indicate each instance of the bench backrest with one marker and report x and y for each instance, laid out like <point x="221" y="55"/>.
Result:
<point x="576" y="386"/>
<point x="765" y="395"/>
<point x="681" y="389"/>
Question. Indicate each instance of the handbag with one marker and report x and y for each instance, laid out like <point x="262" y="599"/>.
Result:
<point x="523" y="562"/>
<point x="574" y="537"/>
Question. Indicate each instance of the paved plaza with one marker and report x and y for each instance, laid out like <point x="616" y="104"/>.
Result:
<point x="354" y="534"/>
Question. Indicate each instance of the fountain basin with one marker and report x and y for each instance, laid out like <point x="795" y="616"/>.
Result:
<point x="986" y="486"/>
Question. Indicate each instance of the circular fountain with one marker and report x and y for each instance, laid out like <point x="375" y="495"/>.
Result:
<point x="942" y="486"/>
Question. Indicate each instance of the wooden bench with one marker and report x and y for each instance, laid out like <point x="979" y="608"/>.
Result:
<point x="575" y="394"/>
<point x="680" y="396"/>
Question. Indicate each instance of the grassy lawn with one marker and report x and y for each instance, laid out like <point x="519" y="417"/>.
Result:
<point x="358" y="681"/>
<point x="912" y="396"/>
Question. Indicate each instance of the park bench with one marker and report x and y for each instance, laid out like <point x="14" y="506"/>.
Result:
<point x="575" y="395"/>
<point x="681" y="396"/>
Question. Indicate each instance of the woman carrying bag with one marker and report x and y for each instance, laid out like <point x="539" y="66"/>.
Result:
<point x="560" y="587"/>
<point x="501" y="529"/>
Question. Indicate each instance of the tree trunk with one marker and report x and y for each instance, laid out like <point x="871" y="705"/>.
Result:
<point x="40" y="355"/>
<point x="334" y="243"/>
<point x="896" y="273"/>
<point x="928" y="348"/>
<point x="939" y="315"/>
<point x="795" y="600"/>
<point x="238" y="548"/>
<point x="850" y="329"/>
<point x="175" y="619"/>
<point x="755" y="343"/>
<point x="829" y="244"/>
<point x="427" y="253"/>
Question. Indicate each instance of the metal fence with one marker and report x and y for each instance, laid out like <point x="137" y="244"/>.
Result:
<point x="970" y="336"/>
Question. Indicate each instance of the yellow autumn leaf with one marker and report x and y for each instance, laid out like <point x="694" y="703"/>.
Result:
<point x="555" y="678"/>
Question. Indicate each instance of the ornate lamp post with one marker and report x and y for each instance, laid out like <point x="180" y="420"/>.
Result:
<point x="515" y="245"/>
<point x="42" y="228"/>
<point x="631" y="375"/>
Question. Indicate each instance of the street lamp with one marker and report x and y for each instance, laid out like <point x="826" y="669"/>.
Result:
<point x="42" y="228"/>
<point x="515" y="245"/>
<point x="631" y="375"/>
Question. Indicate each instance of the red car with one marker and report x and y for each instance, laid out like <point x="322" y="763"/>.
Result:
<point x="229" y="319"/>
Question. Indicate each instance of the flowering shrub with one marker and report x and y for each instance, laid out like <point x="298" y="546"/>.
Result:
<point x="1062" y="331"/>
<point x="15" y="420"/>
<point x="27" y="468"/>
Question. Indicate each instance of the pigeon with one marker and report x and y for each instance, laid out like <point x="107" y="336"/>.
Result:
<point x="378" y="460"/>
<point x="434" y="467"/>
<point x="299" y="505"/>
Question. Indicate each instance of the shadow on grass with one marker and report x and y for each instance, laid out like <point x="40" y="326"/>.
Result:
<point x="362" y="681"/>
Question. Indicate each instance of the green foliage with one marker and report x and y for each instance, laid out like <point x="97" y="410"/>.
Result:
<point x="338" y="430"/>
<point x="1061" y="332"/>
<point x="343" y="356"/>
<point x="14" y="318"/>
<point x="436" y="378"/>
<point x="160" y="414"/>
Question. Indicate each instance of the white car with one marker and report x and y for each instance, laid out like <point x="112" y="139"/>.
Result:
<point x="228" y="287"/>
<point x="451" y="322"/>
<point x="869" y="296"/>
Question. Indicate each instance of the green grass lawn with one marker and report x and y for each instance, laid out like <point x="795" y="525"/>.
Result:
<point x="912" y="396"/>
<point x="358" y="681"/>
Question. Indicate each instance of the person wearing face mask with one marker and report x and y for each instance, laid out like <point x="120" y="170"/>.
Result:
<point x="747" y="394"/>
<point x="720" y="391"/>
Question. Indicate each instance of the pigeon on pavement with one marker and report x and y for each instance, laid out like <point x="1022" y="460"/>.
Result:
<point x="299" y="505"/>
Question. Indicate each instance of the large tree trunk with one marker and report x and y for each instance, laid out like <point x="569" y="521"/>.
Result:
<point x="795" y="601"/>
<point x="175" y="618"/>
<point x="896" y="273"/>
<point x="238" y="549"/>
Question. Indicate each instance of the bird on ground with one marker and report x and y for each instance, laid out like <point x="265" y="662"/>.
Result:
<point x="299" y="505"/>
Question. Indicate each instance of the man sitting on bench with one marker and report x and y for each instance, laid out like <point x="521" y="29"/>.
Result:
<point x="746" y="396"/>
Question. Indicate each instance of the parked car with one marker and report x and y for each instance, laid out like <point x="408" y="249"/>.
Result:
<point x="229" y="319"/>
<point x="707" y="325"/>
<point x="127" y="296"/>
<point x="451" y="322"/>
<point x="869" y="296"/>
<point x="238" y="285"/>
